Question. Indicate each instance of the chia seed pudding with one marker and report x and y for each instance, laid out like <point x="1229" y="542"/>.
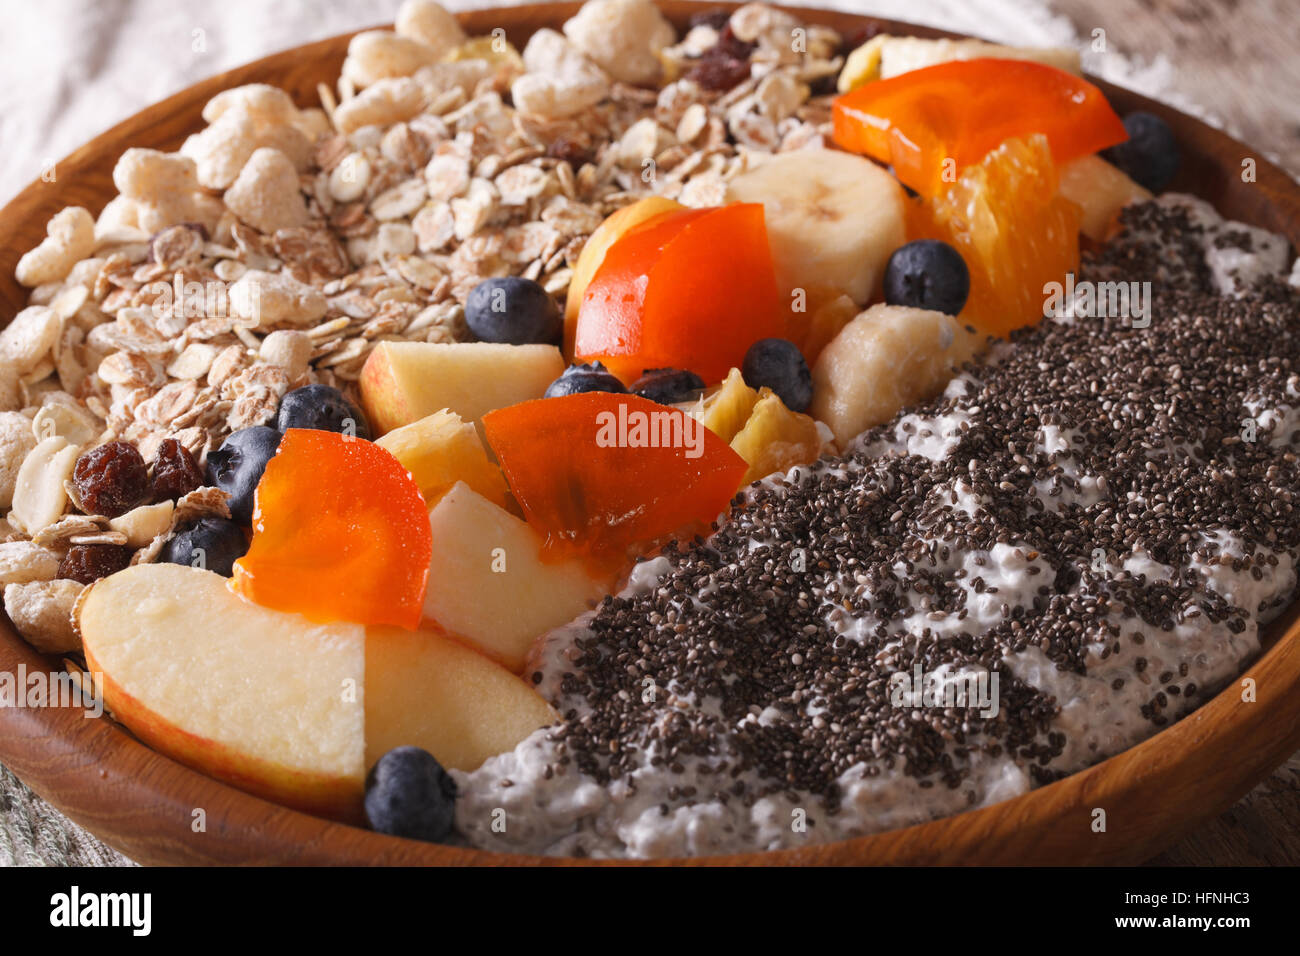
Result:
<point x="1101" y="516"/>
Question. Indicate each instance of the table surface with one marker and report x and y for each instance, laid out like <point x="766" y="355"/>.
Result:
<point x="1235" y="61"/>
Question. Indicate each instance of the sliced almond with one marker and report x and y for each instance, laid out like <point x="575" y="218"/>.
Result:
<point x="39" y="497"/>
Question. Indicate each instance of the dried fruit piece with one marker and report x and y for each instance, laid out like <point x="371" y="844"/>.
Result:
<point x="725" y="64"/>
<point x="570" y="151"/>
<point x="88" y="563"/>
<point x="1014" y="231"/>
<point x="111" y="479"/>
<point x="616" y="225"/>
<point x="175" y="472"/>
<point x="360" y="551"/>
<point x="632" y="472"/>
<point x="691" y="289"/>
<point x="927" y="121"/>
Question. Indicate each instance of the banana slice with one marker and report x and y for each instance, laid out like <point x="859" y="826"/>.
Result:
<point x="833" y="219"/>
<point x="887" y="358"/>
<point x="886" y="56"/>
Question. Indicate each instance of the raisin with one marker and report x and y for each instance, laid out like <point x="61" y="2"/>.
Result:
<point x="718" y="19"/>
<point x="111" y="479"/>
<point x="175" y="473"/>
<point x="822" y="86"/>
<point x="570" y="151"/>
<point x="719" y="73"/>
<point x="88" y="563"/>
<point x="723" y="65"/>
<point x="731" y="46"/>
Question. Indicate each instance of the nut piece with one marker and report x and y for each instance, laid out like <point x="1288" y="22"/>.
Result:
<point x="118" y="221"/>
<point x="290" y="350"/>
<point x="61" y="414"/>
<point x="385" y="103"/>
<point x="264" y="103"/>
<point x="28" y="339"/>
<point x="69" y="238"/>
<point x="351" y="177"/>
<point x="22" y="562"/>
<point x="380" y="55"/>
<point x="266" y="195"/>
<point x="165" y="188"/>
<point x="42" y="613"/>
<point x="16" y="442"/>
<point x="887" y="358"/>
<point x="39" y="495"/>
<point x="623" y="37"/>
<point x="429" y="23"/>
<point x="141" y="525"/>
<point x="560" y="80"/>
<point x="267" y="298"/>
<point x="221" y="151"/>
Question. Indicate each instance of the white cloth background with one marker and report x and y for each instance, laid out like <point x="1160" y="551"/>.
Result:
<point x="70" y="69"/>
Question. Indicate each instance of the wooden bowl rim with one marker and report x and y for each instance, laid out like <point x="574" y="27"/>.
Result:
<point x="70" y="761"/>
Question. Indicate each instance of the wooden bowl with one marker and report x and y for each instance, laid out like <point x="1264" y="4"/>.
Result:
<point x="143" y="803"/>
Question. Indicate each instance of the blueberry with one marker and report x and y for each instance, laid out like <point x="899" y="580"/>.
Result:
<point x="927" y="274"/>
<point x="408" y="794"/>
<point x="514" y="311"/>
<point x="322" y="408"/>
<point x="584" y="378"/>
<point x="668" y="385"/>
<point x="779" y="365"/>
<point x="1150" y="154"/>
<point x="236" y="467"/>
<point x="212" y="543"/>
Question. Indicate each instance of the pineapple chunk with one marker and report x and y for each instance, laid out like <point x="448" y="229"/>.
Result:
<point x="725" y="411"/>
<point x="775" y="438"/>
<point x="1101" y="191"/>
<point x="440" y="450"/>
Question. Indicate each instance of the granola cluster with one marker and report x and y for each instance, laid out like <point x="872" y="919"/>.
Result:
<point x="279" y="244"/>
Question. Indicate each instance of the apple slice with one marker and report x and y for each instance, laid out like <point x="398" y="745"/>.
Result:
<point x="264" y="700"/>
<point x="488" y="583"/>
<point x="440" y="450"/>
<point x="426" y="690"/>
<point x="403" y="382"/>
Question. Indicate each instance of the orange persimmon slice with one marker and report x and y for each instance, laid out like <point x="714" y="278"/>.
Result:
<point x="340" y="533"/>
<point x="689" y="289"/>
<point x="932" y="123"/>
<point x="598" y="473"/>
